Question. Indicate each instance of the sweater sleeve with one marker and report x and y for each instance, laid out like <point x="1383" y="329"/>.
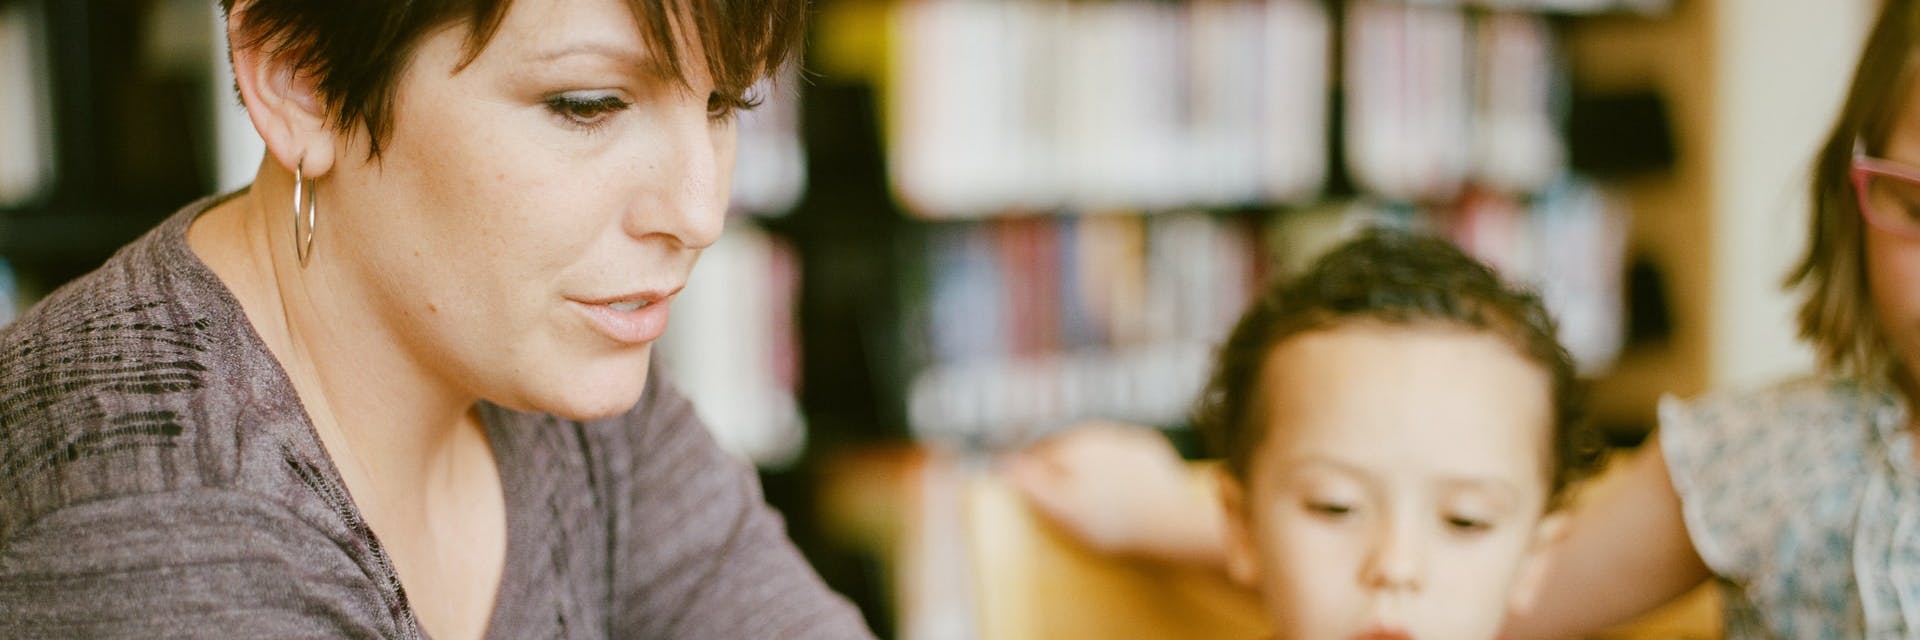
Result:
<point x="198" y="563"/>
<point x="701" y="554"/>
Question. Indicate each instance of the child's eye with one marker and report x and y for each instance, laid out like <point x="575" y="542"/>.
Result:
<point x="1329" y="508"/>
<point x="586" y="111"/>
<point x="1467" y="524"/>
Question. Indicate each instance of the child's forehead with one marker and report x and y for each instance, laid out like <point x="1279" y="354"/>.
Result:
<point x="1365" y="354"/>
<point x="1425" y="397"/>
<point x="1441" y="479"/>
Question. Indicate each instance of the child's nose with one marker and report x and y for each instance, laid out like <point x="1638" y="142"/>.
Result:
<point x="1398" y="559"/>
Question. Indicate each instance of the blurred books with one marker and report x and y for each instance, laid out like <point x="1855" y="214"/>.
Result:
<point x="732" y="347"/>
<point x="1052" y="104"/>
<point x="770" y="167"/>
<point x="1104" y="185"/>
<point x="26" y="147"/>
<point x="1436" y="100"/>
<point x="1024" y="325"/>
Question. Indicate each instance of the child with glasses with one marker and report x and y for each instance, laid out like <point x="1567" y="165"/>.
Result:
<point x="1802" y="501"/>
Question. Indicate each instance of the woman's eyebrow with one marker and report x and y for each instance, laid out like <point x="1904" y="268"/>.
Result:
<point x="624" y="55"/>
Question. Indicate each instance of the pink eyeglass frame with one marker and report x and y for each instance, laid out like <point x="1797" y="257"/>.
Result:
<point x="1864" y="168"/>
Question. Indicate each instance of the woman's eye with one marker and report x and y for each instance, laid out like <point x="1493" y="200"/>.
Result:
<point x="586" y="111"/>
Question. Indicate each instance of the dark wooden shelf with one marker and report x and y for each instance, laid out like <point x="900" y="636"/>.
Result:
<point x="57" y="234"/>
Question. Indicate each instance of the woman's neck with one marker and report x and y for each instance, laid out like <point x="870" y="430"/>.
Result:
<point x="386" y="419"/>
<point x="407" y="443"/>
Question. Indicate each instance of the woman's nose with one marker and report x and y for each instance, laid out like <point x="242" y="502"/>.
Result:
<point x="692" y="160"/>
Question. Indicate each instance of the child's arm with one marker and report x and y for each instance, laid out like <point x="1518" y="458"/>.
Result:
<point x="1123" y="490"/>
<point x="1625" y="553"/>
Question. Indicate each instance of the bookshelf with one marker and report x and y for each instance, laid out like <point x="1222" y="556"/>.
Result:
<point x="1080" y="196"/>
<point x="105" y="132"/>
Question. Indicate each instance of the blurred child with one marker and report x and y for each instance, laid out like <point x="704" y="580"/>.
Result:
<point x="1801" y="500"/>
<point x="1398" y="427"/>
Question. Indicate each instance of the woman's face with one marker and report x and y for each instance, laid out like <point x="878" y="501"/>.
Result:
<point x="532" y="214"/>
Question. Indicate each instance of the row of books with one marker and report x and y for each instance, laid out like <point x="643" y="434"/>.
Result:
<point x="1048" y="105"/>
<point x="733" y="347"/>
<point x="1037" y="285"/>
<point x="1016" y="327"/>
<point x="1038" y="105"/>
<point x="26" y="164"/>
<point x="1436" y="99"/>
<point x="1023" y="324"/>
<point x="770" y="166"/>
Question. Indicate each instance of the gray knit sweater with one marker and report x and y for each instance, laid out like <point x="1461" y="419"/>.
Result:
<point x="159" y="478"/>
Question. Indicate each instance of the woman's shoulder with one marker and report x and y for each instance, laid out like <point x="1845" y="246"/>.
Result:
<point x="130" y="379"/>
<point x="149" y="322"/>
<point x="190" y="562"/>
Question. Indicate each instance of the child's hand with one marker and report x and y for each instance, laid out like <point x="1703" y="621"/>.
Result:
<point x="1122" y="489"/>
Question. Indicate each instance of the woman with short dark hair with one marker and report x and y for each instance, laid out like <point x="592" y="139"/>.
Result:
<point x="400" y="385"/>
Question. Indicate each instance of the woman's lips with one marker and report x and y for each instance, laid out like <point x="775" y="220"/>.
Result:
<point x="631" y="320"/>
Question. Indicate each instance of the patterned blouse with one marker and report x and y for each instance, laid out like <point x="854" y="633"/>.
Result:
<point x="1804" y="501"/>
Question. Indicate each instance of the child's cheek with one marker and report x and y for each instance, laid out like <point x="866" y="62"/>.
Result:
<point x="1893" y="275"/>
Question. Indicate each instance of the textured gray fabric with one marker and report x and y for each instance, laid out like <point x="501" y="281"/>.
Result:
<point x="158" y="478"/>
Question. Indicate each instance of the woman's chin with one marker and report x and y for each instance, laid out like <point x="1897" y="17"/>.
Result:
<point x="588" y="393"/>
<point x="586" y="407"/>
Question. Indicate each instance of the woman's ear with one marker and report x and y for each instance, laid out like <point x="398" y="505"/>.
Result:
<point x="1243" y="562"/>
<point x="283" y="101"/>
<point x="1534" y="566"/>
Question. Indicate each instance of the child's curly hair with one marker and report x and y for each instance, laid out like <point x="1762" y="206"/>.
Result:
<point x="1397" y="278"/>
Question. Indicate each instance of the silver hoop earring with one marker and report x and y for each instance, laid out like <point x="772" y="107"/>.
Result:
<point x="303" y="241"/>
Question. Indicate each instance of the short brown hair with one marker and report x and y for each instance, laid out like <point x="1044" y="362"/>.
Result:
<point x="356" y="51"/>
<point x="1836" y="314"/>
<point x="1398" y="278"/>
